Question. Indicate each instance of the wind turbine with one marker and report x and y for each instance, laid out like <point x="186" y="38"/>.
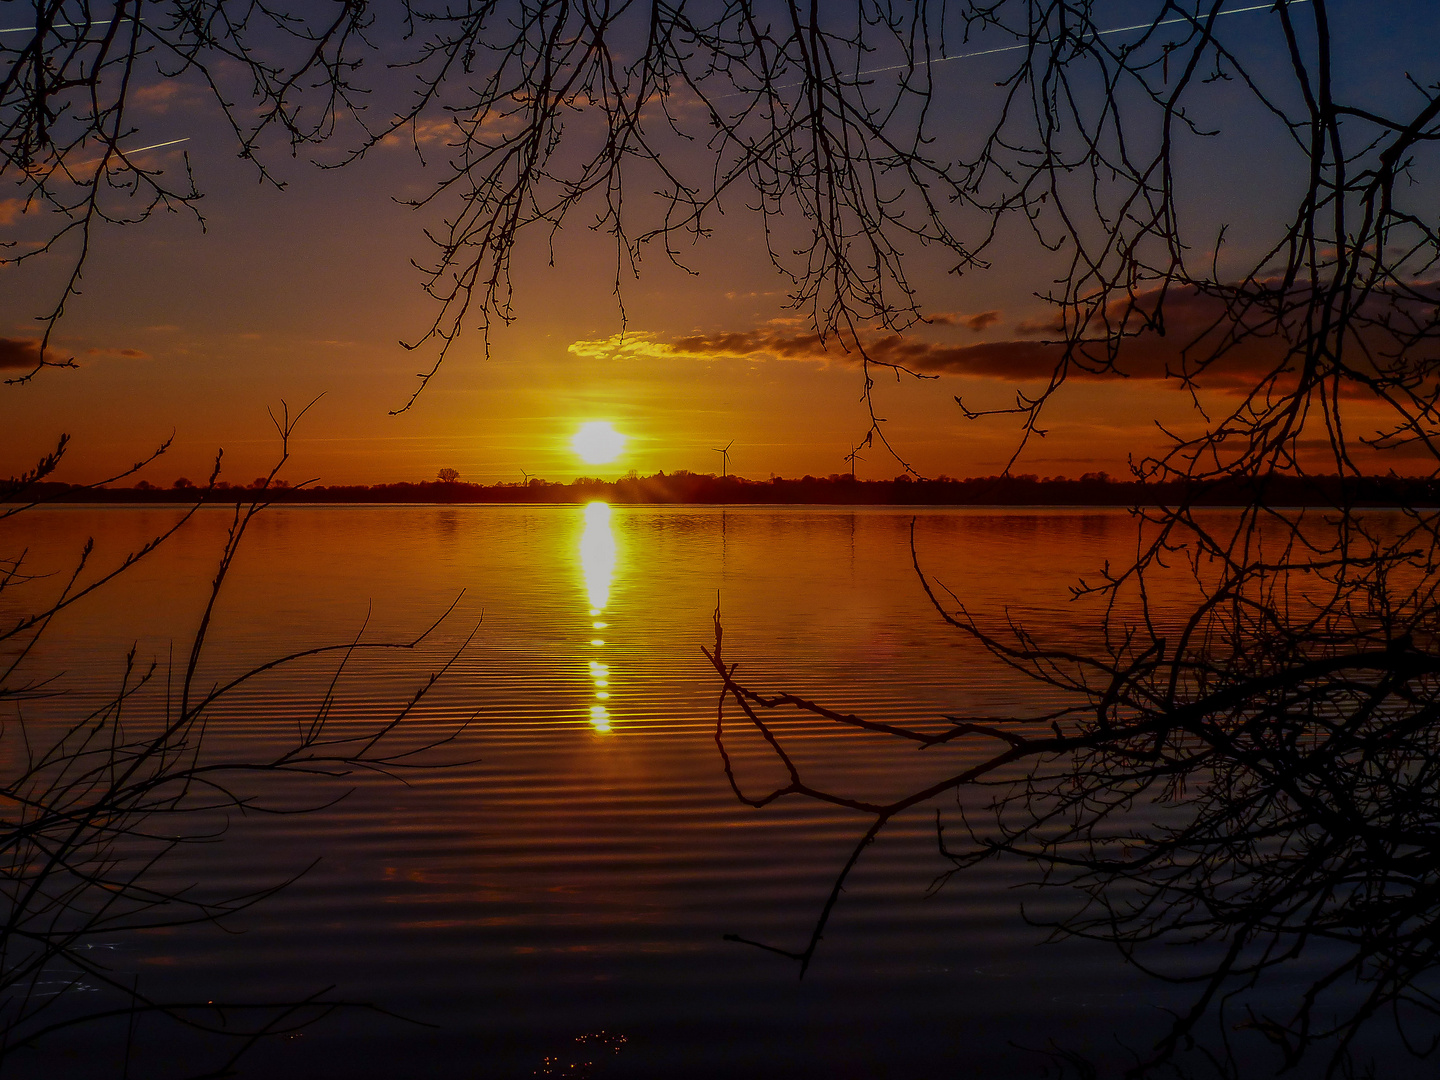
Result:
<point x="854" y="456"/>
<point x="724" y="452"/>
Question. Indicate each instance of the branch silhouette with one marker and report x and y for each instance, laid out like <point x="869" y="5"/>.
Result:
<point x="1283" y="717"/>
<point x="96" y="806"/>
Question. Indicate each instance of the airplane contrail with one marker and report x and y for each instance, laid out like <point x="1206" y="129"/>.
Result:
<point x="1098" y="33"/>
<point x="127" y="152"/>
<point x="1192" y="19"/>
<point x="55" y="26"/>
<point x="153" y="146"/>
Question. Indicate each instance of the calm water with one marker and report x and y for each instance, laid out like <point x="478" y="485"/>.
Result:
<point x="574" y="873"/>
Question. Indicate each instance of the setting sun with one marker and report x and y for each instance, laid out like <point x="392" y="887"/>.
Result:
<point x="598" y="443"/>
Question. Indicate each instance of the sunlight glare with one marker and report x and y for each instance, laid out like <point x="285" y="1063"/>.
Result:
<point x="597" y="563"/>
<point x="598" y="442"/>
<point x="597" y="555"/>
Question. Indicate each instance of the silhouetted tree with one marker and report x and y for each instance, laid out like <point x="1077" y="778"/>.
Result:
<point x="1268" y="749"/>
<point x="1256" y="771"/>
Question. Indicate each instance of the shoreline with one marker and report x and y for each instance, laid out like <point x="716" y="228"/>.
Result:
<point x="691" y="489"/>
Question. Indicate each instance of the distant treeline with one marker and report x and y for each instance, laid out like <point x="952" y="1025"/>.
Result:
<point x="1091" y="489"/>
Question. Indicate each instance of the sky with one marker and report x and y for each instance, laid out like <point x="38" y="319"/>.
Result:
<point x="305" y="294"/>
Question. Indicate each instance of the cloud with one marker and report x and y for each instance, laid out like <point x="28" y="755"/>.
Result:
<point x="1019" y="360"/>
<point x="22" y="353"/>
<point x="767" y="343"/>
<point x="753" y="294"/>
<point x="635" y="345"/>
<point x="1196" y="335"/>
<point x="158" y="97"/>
<point x="1047" y="327"/>
<point x="10" y="210"/>
<point x="804" y="345"/>
<point x="127" y="354"/>
<point x="981" y="320"/>
<point x="429" y="131"/>
<point x="1013" y="361"/>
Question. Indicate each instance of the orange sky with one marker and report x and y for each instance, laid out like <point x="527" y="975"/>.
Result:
<point x="293" y="294"/>
<point x="297" y="293"/>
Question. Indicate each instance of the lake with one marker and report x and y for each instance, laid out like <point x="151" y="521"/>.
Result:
<point x="554" y="899"/>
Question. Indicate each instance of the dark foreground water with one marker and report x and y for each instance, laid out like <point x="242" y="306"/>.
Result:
<point x="554" y="901"/>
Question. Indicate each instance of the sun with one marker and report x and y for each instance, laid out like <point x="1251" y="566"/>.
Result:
<point x="598" y="442"/>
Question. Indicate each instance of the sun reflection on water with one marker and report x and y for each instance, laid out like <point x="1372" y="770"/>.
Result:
<point x="597" y="563"/>
<point x="597" y="555"/>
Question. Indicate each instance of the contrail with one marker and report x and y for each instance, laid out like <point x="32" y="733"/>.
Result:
<point x="871" y="71"/>
<point x="1192" y="19"/>
<point x="1098" y="33"/>
<point x="153" y="146"/>
<point x="127" y="152"/>
<point x="56" y="26"/>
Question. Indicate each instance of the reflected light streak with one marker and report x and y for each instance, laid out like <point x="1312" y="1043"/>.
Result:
<point x="597" y="563"/>
<point x="597" y="555"/>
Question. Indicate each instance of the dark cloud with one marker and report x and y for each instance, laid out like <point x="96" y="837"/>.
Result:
<point x="1048" y="327"/>
<point x="1017" y="361"/>
<point x="981" y="320"/>
<point x="24" y="354"/>
<point x="19" y="352"/>
<point x="786" y="346"/>
<point x="1238" y="348"/>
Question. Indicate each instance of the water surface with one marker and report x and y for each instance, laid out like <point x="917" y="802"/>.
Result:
<point x="570" y="876"/>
